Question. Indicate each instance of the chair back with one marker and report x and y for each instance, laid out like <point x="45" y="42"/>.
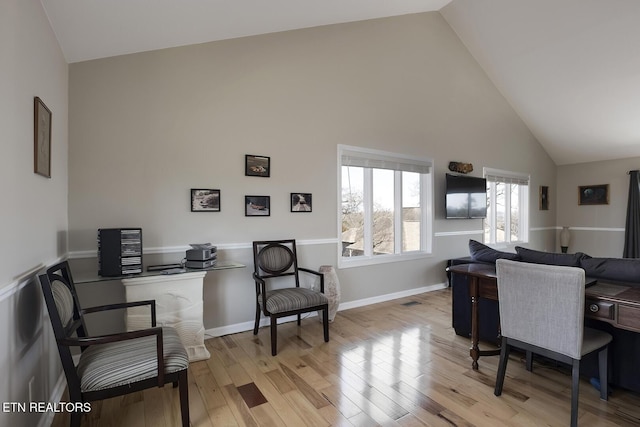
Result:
<point x="65" y="314"/>
<point x="542" y="305"/>
<point x="276" y="258"/>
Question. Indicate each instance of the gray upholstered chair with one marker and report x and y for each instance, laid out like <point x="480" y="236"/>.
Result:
<point x="115" y="364"/>
<point x="277" y="259"/>
<point x="542" y="312"/>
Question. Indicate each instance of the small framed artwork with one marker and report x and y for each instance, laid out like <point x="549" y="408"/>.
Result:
<point x="42" y="138"/>
<point x="257" y="165"/>
<point x="300" y="202"/>
<point x="544" y="198"/>
<point x="205" y="200"/>
<point x="593" y="194"/>
<point x="257" y="205"/>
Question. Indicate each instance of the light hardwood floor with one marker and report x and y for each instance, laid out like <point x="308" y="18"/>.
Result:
<point x="397" y="363"/>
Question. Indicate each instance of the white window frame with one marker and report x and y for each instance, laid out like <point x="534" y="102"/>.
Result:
<point x="508" y="177"/>
<point x="376" y="159"/>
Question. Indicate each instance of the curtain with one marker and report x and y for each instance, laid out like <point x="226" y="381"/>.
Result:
<point x="632" y="227"/>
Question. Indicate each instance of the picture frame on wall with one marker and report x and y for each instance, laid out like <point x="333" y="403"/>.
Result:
<point x="42" y="118"/>
<point x="544" y="198"/>
<point x="301" y="202"/>
<point x="257" y="205"/>
<point x="205" y="200"/>
<point x="593" y="194"/>
<point x="257" y="166"/>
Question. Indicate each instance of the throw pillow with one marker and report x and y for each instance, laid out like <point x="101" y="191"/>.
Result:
<point x="621" y="269"/>
<point x="550" y="258"/>
<point x="484" y="253"/>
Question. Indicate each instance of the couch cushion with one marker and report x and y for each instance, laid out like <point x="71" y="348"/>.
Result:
<point x="550" y="258"/>
<point x="621" y="269"/>
<point x="484" y="253"/>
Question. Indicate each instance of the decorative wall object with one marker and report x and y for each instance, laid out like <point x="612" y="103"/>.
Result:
<point x="460" y="167"/>
<point x="544" y="198"/>
<point x="42" y="138"/>
<point x="257" y="165"/>
<point x="257" y="205"/>
<point x="205" y="200"/>
<point x="593" y="194"/>
<point x="300" y="202"/>
<point x="565" y="238"/>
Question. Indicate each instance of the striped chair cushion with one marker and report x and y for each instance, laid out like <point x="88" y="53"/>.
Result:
<point x="64" y="301"/>
<point x="281" y="300"/>
<point x="125" y="362"/>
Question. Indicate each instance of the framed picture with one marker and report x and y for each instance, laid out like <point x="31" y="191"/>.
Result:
<point x="544" y="198"/>
<point x="205" y="200"/>
<point x="300" y="202"/>
<point x="257" y="165"/>
<point x="41" y="138"/>
<point x="257" y="205"/>
<point x="593" y="194"/>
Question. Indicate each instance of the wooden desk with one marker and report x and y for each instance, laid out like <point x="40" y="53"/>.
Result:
<point x="617" y="304"/>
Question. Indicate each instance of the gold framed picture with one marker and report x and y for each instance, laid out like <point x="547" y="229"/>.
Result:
<point x="593" y="194"/>
<point x="41" y="138"/>
<point x="544" y="198"/>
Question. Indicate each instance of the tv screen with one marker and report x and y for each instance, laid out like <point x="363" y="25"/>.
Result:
<point x="466" y="197"/>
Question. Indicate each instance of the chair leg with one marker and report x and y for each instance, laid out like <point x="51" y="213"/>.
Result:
<point x="603" y="368"/>
<point x="274" y="335"/>
<point x="529" y="358"/>
<point x="575" y="382"/>
<point x="325" y="323"/>
<point x="184" y="397"/>
<point x="257" y="323"/>
<point x="299" y="318"/>
<point x="76" y="418"/>
<point x="502" y="366"/>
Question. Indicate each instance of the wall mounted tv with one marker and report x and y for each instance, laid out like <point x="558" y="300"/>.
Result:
<point x="466" y="197"/>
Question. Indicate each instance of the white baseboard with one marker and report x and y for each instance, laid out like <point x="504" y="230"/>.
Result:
<point x="56" y="396"/>
<point x="248" y="326"/>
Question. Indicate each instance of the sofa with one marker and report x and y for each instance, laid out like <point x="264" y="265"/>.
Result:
<point x="624" y="352"/>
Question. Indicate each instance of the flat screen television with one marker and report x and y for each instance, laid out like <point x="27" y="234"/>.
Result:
<point x="466" y="197"/>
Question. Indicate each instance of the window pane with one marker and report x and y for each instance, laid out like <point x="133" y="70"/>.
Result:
<point x="352" y="211"/>
<point x="383" y="201"/>
<point x="501" y="212"/>
<point x="515" y="213"/>
<point x="411" y="211"/>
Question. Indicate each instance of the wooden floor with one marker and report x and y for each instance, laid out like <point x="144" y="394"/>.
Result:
<point x="396" y="363"/>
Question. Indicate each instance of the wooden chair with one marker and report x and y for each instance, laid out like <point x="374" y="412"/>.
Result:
<point x="542" y="312"/>
<point x="115" y="364"/>
<point x="278" y="259"/>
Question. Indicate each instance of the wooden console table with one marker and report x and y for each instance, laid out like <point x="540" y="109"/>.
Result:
<point x="617" y="304"/>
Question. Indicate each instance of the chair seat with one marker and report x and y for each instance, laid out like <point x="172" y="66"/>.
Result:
<point x="120" y="363"/>
<point x="594" y="339"/>
<point x="289" y="299"/>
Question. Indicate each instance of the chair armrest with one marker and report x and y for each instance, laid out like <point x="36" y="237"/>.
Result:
<point x="121" y="305"/>
<point x="260" y="288"/>
<point x="124" y="336"/>
<point x="317" y="273"/>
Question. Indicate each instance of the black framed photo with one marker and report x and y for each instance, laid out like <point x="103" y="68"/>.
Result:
<point x="257" y="205"/>
<point x="41" y="138"/>
<point x="205" y="200"/>
<point x="593" y="194"/>
<point x="544" y="198"/>
<point x="301" y="202"/>
<point x="257" y="165"/>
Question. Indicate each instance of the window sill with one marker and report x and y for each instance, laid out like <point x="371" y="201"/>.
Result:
<point x="362" y="261"/>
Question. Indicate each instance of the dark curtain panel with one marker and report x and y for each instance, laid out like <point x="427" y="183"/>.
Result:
<point x="632" y="227"/>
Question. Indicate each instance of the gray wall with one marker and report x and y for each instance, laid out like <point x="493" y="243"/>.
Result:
<point x="597" y="230"/>
<point x="147" y="127"/>
<point x="34" y="208"/>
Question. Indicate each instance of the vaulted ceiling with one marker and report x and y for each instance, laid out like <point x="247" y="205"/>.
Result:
<point x="569" y="68"/>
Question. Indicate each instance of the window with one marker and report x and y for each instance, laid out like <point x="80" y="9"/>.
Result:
<point x="385" y="206"/>
<point x="507" y="207"/>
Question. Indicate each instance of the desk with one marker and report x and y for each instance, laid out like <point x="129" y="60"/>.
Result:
<point x="179" y="303"/>
<point x="617" y="304"/>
